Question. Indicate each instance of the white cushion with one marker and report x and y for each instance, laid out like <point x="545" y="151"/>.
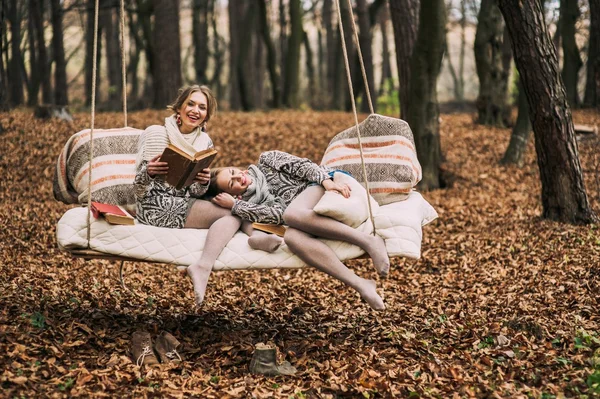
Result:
<point x="352" y="211"/>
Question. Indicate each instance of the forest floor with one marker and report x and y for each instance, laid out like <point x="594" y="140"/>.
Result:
<point x="501" y="304"/>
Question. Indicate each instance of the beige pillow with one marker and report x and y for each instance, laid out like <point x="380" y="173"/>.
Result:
<point x="352" y="211"/>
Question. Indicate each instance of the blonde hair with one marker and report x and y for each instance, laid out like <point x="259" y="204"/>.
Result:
<point x="184" y="94"/>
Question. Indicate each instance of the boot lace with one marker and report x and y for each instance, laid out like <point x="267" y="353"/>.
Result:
<point x="171" y="355"/>
<point x="145" y="352"/>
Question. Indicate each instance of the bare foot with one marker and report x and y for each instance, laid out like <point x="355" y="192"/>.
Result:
<point x="199" y="276"/>
<point x="367" y="290"/>
<point x="379" y="255"/>
<point x="265" y="242"/>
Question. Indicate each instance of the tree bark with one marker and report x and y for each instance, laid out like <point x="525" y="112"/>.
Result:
<point x="386" y="67"/>
<point x="332" y="53"/>
<point x="572" y="63"/>
<point x="291" y="86"/>
<point x="405" y="20"/>
<point x="167" y="61"/>
<point x="218" y="54"/>
<point x="135" y="50"/>
<point x="3" y="78"/>
<point x="492" y="107"/>
<point x="113" y="55"/>
<point x="563" y="191"/>
<point x="33" y="90"/>
<point x="236" y="13"/>
<point x="89" y="50"/>
<point x="61" y="95"/>
<point x="365" y="42"/>
<point x="520" y="134"/>
<point x="423" y="110"/>
<point x="15" y="83"/>
<point x="43" y="65"/>
<point x="271" y="55"/>
<point x="310" y="70"/>
<point x="283" y="39"/>
<point x="592" y="84"/>
<point x="200" y="21"/>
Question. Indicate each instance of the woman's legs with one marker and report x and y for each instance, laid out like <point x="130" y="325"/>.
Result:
<point x="261" y="240"/>
<point x="222" y="226"/>
<point x="301" y="216"/>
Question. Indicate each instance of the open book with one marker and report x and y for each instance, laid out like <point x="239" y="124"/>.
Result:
<point x="276" y="229"/>
<point x="183" y="168"/>
<point x="113" y="214"/>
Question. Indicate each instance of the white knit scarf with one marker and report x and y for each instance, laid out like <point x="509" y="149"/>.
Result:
<point x="176" y="137"/>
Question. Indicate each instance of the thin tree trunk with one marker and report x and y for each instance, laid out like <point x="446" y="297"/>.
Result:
<point x="592" y="84"/>
<point x="310" y="70"/>
<point x="386" y="67"/>
<point x="564" y="196"/>
<point x="365" y="41"/>
<point x="145" y="12"/>
<point x="520" y="134"/>
<point x="61" y="95"/>
<point x="15" y="83"/>
<point x="491" y="104"/>
<point x="3" y="78"/>
<point x="405" y="20"/>
<point x="113" y="56"/>
<point x="271" y="55"/>
<point x="463" y="46"/>
<point x="236" y="13"/>
<point x="283" y="39"/>
<point x="572" y="63"/>
<point x="89" y="50"/>
<point x="258" y="72"/>
<point x="200" y="34"/>
<point x="217" y="54"/>
<point x="43" y="65"/>
<point x="292" y="67"/>
<point x="342" y="91"/>
<point x="423" y="109"/>
<point x="135" y="50"/>
<point x="33" y="90"/>
<point x="332" y="53"/>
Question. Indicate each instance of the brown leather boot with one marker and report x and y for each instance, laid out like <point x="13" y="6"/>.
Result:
<point x="141" y="349"/>
<point x="166" y="346"/>
<point x="264" y="361"/>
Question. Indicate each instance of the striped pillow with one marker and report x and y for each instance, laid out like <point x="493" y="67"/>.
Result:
<point x="113" y="167"/>
<point x="389" y="152"/>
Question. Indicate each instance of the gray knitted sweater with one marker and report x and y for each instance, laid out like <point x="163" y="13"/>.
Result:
<point x="287" y="176"/>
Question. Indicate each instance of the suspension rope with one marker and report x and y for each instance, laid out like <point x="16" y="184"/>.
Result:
<point x="362" y="160"/>
<point x="94" y="56"/>
<point x="123" y="67"/>
<point x="360" y="58"/>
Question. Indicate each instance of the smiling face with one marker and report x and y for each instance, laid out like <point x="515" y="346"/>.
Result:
<point x="193" y="112"/>
<point x="233" y="181"/>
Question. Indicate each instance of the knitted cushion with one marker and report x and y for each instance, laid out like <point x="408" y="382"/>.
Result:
<point x="113" y="167"/>
<point x="389" y="153"/>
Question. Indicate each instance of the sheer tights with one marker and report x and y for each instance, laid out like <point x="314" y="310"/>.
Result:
<point x="304" y="223"/>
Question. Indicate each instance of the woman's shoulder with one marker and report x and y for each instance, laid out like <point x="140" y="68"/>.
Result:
<point x="155" y="130"/>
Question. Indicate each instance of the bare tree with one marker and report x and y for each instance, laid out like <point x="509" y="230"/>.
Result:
<point x="167" y="56"/>
<point x="109" y="18"/>
<point x="200" y="20"/>
<point x="592" y="84"/>
<point x="291" y="86"/>
<point x="365" y="41"/>
<point x="61" y="95"/>
<point x="15" y="83"/>
<point x="572" y="63"/>
<point x="3" y="78"/>
<point x="520" y="134"/>
<point x="271" y="55"/>
<point x="564" y="197"/>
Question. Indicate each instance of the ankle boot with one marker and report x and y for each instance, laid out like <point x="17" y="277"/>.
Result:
<point x="166" y="346"/>
<point x="141" y="349"/>
<point x="264" y="361"/>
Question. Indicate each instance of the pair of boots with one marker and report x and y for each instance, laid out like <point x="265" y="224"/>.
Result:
<point x="165" y="346"/>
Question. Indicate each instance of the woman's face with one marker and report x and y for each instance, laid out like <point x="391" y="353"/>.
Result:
<point x="193" y="112"/>
<point x="233" y="181"/>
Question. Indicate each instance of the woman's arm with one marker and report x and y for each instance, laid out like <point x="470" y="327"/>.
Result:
<point x="302" y="168"/>
<point x="249" y="211"/>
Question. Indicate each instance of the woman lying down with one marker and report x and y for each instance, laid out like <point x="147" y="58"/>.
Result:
<point x="283" y="188"/>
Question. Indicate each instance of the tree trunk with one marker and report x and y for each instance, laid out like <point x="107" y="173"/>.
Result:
<point x="592" y="84"/>
<point x="271" y="55"/>
<point x="569" y="12"/>
<point x="332" y="53"/>
<point x="283" y="39"/>
<point x="291" y="87"/>
<point x="61" y="95"/>
<point x="38" y="22"/>
<point x="423" y="110"/>
<point x="200" y="34"/>
<point x="342" y="92"/>
<point x="167" y="62"/>
<point x="236" y="14"/>
<point x="405" y="20"/>
<point x="3" y="78"/>
<point x="386" y="67"/>
<point x="310" y="70"/>
<point x="365" y="41"/>
<point x="135" y="49"/>
<point x="492" y="107"/>
<point x="145" y="12"/>
<point x="33" y="90"/>
<point x="258" y="78"/>
<point x="89" y="52"/>
<point x="113" y="55"/>
<point x="217" y="54"/>
<point x="563" y="192"/>
<point x="15" y="83"/>
<point x="520" y="134"/>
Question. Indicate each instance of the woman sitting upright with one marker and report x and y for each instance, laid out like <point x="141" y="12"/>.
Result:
<point x="283" y="188"/>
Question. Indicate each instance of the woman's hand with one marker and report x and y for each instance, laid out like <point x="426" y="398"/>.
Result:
<point x="224" y="200"/>
<point x="155" y="167"/>
<point x="343" y="189"/>
<point x="203" y="177"/>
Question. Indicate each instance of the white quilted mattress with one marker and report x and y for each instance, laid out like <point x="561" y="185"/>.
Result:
<point x="398" y="223"/>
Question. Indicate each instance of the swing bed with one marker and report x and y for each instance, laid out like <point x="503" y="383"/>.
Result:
<point x="398" y="222"/>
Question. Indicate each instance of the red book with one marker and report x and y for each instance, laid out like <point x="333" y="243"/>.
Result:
<point x="113" y="214"/>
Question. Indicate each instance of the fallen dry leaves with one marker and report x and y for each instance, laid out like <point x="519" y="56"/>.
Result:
<point x="502" y="303"/>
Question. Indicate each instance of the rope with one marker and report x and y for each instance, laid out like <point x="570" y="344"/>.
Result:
<point x="123" y="67"/>
<point x="362" y="160"/>
<point x="362" y="61"/>
<point x="94" y="56"/>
